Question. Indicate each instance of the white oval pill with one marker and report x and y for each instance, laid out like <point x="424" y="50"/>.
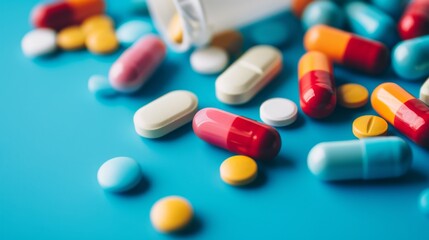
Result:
<point x="209" y="60"/>
<point x="119" y="174"/>
<point x="165" y="114"/>
<point x="39" y="42"/>
<point x="424" y="92"/>
<point x="278" y="112"/>
<point x="248" y="75"/>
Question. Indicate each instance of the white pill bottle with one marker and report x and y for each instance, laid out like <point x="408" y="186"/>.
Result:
<point x="201" y="19"/>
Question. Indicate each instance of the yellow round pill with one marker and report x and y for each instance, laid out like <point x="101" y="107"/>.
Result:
<point x="96" y="23"/>
<point x="238" y="170"/>
<point x="369" y="126"/>
<point x="71" y="38"/>
<point x="102" y="42"/>
<point x="352" y="95"/>
<point x="171" y="213"/>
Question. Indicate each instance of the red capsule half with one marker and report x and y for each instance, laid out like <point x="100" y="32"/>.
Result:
<point x="415" y="21"/>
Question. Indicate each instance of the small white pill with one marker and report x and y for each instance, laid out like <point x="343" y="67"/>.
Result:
<point x="209" y="60"/>
<point x="165" y="114"/>
<point x="39" y="42"/>
<point x="424" y="92"/>
<point x="278" y="112"/>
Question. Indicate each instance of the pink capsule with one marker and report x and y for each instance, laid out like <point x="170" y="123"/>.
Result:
<point x="136" y="64"/>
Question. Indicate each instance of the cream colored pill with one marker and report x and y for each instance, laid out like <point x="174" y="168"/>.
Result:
<point x="165" y="114"/>
<point x="248" y="75"/>
<point x="424" y="92"/>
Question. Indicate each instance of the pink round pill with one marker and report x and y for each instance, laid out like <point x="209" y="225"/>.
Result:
<point x="136" y="64"/>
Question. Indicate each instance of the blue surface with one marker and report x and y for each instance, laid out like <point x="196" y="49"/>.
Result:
<point x="54" y="135"/>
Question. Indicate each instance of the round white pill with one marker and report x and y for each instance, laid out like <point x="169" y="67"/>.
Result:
<point x="278" y="112"/>
<point x="209" y="60"/>
<point x="39" y="42"/>
<point x="119" y="174"/>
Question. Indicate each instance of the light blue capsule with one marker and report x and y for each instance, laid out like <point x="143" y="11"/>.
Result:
<point x="410" y="58"/>
<point x="99" y="85"/>
<point x="323" y="12"/>
<point x="368" y="158"/>
<point x="394" y="8"/>
<point x="131" y="31"/>
<point x="424" y="202"/>
<point x="119" y="174"/>
<point x="372" y="23"/>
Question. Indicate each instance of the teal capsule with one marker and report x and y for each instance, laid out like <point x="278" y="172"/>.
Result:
<point x="323" y="12"/>
<point x="368" y="158"/>
<point x="410" y="58"/>
<point x="394" y="8"/>
<point x="369" y="22"/>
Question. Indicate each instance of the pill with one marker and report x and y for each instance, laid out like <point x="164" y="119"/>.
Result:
<point x="170" y="214"/>
<point x="406" y="113"/>
<point x="278" y="112"/>
<point x="209" y="60"/>
<point x="369" y="126"/>
<point x="39" y="42"/>
<point x="410" y="58"/>
<point x="424" y="92"/>
<point x="317" y="93"/>
<point x="238" y="170"/>
<point x="131" y="31"/>
<point x="96" y="23"/>
<point x="119" y="174"/>
<point x="248" y="75"/>
<point x="274" y="33"/>
<point x="424" y="202"/>
<point x="165" y="114"/>
<point x="136" y="64"/>
<point x="415" y="20"/>
<point x="298" y="6"/>
<point x="60" y="14"/>
<point x="237" y="134"/>
<point x="102" y="42"/>
<point x="323" y="12"/>
<point x="71" y="38"/>
<point x="369" y="22"/>
<point x="352" y="95"/>
<point x="175" y="29"/>
<point x="392" y="7"/>
<point x="99" y="85"/>
<point x="350" y="50"/>
<point x="229" y="40"/>
<point x="368" y="158"/>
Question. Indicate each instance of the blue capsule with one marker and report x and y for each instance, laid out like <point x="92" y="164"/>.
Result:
<point x="394" y="8"/>
<point x="369" y="22"/>
<point x="369" y="158"/>
<point x="323" y="12"/>
<point x="410" y="58"/>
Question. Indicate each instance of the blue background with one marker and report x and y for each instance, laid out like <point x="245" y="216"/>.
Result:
<point x="54" y="134"/>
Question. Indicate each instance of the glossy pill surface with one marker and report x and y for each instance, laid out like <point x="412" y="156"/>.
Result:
<point x="247" y="76"/>
<point x="369" y="158"/>
<point x="237" y="134"/>
<point x="406" y="113"/>
<point x="424" y="92"/>
<point x="323" y="12"/>
<point x="136" y="64"/>
<point x="39" y="42"/>
<point x="352" y="95"/>
<point x="238" y="170"/>
<point x="410" y="58"/>
<point x="170" y="214"/>
<point x="119" y="174"/>
<point x="278" y="112"/>
<point x="415" y="20"/>
<point x="131" y="31"/>
<point x="165" y="114"/>
<point x="71" y="38"/>
<point x="96" y="23"/>
<point x="369" y="126"/>
<point x="317" y="93"/>
<point x="350" y="50"/>
<point x="102" y="41"/>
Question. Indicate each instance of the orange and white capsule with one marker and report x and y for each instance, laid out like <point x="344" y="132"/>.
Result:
<point x="348" y="49"/>
<point x="406" y="113"/>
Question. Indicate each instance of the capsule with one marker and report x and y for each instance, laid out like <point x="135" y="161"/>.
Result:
<point x="415" y="20"/>
<point x="60" y="14"/>
<point x="136" y="64"/>
<point x="368" y="158"/>
<point x="237" y="134"/>
<point x="317" y="94"/>
<point x="348" y="49"/>
<point x="410" y="58"/>
<point x="323" y="12"/>
<point x="367" y="21"/>
<point x="406" y="113"/>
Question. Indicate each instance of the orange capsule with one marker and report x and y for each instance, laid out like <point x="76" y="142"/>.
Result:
<point x="348" y="49"/>
<point x="406" y="113"/>
<point x="317" y="94"/>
